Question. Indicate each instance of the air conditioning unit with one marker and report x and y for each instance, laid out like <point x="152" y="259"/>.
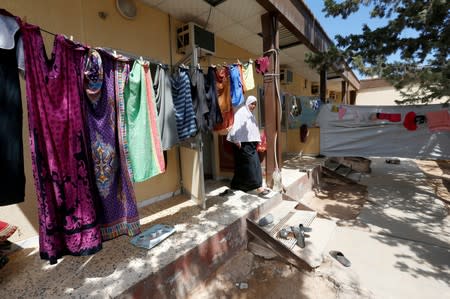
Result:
<point x="192" y="34"/>
<point x="286" y="76"/>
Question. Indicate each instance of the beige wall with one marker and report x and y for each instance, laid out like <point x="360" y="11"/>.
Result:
<point x="147" y="35"/>
<point x="383" y="96"/>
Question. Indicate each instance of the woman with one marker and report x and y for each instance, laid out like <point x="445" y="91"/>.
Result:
<point x="245" y="137"/>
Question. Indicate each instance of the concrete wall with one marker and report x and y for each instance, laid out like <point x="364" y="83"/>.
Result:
<point x="383" y="96"/>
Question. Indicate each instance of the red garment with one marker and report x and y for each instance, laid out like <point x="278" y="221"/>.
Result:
<point x="6" y="230"/>
<point x="392" y="117"/>
<point x="410" y="121"/>
<point x="262" y="65"/>
<point x="438" y="120"/>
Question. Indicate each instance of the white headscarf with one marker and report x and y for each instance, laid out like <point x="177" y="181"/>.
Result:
<point x="245" y="128"/>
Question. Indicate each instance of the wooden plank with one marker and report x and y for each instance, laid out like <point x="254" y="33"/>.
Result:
<point x="275" y="246"/>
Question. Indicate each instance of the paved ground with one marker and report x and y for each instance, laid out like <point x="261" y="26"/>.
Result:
<point x="398" y="240"/>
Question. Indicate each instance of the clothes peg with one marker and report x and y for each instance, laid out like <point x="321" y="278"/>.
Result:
<point x="115" y="53"/>
<point x="238" y="61"/>
<point x="250" y="60"/>
<point x="71" y="37"/>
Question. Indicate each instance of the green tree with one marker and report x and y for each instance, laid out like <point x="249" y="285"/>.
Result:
<point x="423" y="71"/>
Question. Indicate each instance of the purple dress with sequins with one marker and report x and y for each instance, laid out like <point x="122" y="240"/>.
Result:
<point x="118" y="213"/>
<point x="68" y="221"/>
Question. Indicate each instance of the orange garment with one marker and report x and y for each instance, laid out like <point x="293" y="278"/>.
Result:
<point x="224" y="99"/>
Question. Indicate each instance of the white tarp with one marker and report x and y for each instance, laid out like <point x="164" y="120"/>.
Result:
<point x="357" y="134"/>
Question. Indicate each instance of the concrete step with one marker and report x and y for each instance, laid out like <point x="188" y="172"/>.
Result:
<point x="287" y="214"/>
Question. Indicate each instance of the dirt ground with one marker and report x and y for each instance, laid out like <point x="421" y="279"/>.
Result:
<point x="274" y="278"/>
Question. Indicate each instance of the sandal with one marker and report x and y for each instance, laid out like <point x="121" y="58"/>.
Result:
<point x="340" y="257"/>
<point x="264" y="193"/>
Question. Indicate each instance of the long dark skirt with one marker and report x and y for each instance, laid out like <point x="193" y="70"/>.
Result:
<point x="247" y="168"/>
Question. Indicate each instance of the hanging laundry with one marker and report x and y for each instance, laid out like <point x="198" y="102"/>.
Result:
<point x="10" y="37"/>
<point x="199" y="99"/>
<point x="166" y="111"/>
<point x="241" y="74"/>
<point x="12" y="176"/>
<point x="392" y="117"/>
<point x="139" y="131"/>
<point x="121" y="74"/>
<point x="118" y="213"/>
<point x="237" y="96"/>
<point x="214" y="116"/>
<point x="303" y="133"/>
<point x="158" y="165"/>
<point x="410" y="121"/>
<point x="68" y="222"/>
<point x="341" y="112"/>
<point x="438" y="120"/>
<point x="224" y="99"/>
<point x="182" y="100"/>
<point x="262" y="65"/>
<point x="249" y="79"/>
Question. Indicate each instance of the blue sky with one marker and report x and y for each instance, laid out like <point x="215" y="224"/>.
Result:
<point x="352" y="24"/>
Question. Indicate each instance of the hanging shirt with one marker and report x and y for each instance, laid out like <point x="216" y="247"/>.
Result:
<point x="68" y="221"/>
<point x="118" y="213"/>
<point x="166" y="111"/>
<point x="237" y="95"/>
<point x="214" y="116"/>
<point x="182" y="100"/>
<point x="224" y="99"/>
<point x="248" y="76"/>
<point x="199" y="99"/>
<point x="12" y="176"/>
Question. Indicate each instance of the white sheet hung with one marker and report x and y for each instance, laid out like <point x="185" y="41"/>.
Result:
<point x="357" y="135"/>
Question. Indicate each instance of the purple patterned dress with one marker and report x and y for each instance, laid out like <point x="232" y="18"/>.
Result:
<point x="66" y="202"/>
<point x="118" y="214"/>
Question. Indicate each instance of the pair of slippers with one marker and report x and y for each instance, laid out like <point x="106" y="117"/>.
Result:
<point x="340" y="257"/>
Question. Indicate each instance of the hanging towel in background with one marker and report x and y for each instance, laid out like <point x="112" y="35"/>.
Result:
<point x="182" y="100"/>
<point x="166" y="112"/>
<point x="12" y="176"/>
<point x="410" y="121"/>
<point x="438" y="120"/>
<point x="214" y="116"/>
<point x="224" y="99"/>
<point x="157" y="164"/>
<point x="199" y="99"/>
<point x="68" y="221"/>
<point x="248" y="76"/>
<point x="237" y="96"/>
<point x="118" y="213"/>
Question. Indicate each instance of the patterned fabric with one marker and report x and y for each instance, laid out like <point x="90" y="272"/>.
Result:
<point x="12" y="176"/>
<point x="166" y="112"/>
<point x="118" y="213"/>
<point x="157" y="158"/>
<point x="224" y="99"/>
<point x="182" y="100"/>
<point x="93" y="76"/>
<point x="121" y="73"/>
<point x="68" y="221"/>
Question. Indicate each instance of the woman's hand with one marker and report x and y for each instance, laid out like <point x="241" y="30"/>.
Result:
<point x="238" y="144"/>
